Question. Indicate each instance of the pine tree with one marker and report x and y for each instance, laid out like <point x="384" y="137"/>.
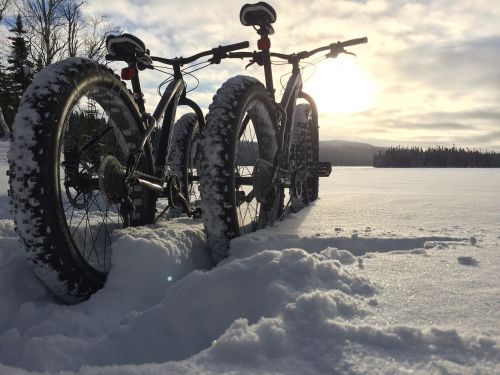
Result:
<point x="19" y="69"/>
<point x="4" y="99"/>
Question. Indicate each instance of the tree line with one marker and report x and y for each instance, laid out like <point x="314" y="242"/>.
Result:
<point x="435" y="157"/>
<point x="36" y="33"/>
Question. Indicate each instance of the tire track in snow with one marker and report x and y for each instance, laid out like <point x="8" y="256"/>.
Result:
<point x="356" y="245"/>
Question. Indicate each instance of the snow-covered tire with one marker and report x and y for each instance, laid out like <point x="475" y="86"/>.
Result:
<point x="230" y="147"/>
<point x="304" y="153"/>
<point x="185" y="157"/>
<point x="53" y="193"/>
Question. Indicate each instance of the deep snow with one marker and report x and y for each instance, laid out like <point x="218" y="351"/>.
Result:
<point x="391" y="271"/>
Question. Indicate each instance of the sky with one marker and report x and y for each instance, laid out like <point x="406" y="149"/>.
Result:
<point x="430" y="74"/>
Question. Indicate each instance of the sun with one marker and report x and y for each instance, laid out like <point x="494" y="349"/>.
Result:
<point x="340" y="86"/>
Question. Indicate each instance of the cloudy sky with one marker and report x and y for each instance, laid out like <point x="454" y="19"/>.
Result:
<point x="430" y="74"/>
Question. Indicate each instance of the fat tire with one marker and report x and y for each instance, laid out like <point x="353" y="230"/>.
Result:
<point x="181" y="159"/>
<point x="304" y="153"/>
<point x="34" y="171"/>
<point x="220" y="143"/>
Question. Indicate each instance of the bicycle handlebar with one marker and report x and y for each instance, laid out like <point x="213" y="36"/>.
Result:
<point x="337" y="47"/>
<point x="354" y="42"/>
<point x="217" y="52"/>
<point x="233" y="47"/>
<point x="333" y="47"/>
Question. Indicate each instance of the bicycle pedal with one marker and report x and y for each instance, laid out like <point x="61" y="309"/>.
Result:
<point x="322" y="168"/>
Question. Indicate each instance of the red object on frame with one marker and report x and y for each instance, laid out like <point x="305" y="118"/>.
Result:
<point x="264" y="43"/>
<point x="128" y="73"/>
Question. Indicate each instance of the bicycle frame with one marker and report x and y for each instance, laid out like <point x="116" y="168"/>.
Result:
<point x="293" y="91"/>
<point x="173" y="96"/>
<point x="286" y="107"/>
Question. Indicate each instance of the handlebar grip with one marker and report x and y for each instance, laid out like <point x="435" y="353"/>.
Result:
<point x="232" y="47"/>
<point x="354" y="42"/>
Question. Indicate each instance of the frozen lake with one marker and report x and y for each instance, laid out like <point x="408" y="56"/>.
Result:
<point x="407" y="200"/>
<point x="390" y="271"/>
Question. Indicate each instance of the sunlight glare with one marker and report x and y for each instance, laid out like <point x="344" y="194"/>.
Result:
<point x="340" y="86"/>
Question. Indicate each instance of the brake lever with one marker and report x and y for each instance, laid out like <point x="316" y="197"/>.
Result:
<point x="249" y="65"/>
<point x="215" y="60"/>
<point x="335" y="53"/>
<point x="217" y="57"/>
<point x="332" y="54"/>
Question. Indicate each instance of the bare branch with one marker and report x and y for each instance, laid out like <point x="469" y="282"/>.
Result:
<point x="3" y="7"/>
<point x="45" y="22"/>
<point x="94" y="40"/>
<point x="74" y="20"/>
<point x="60" y="28"/>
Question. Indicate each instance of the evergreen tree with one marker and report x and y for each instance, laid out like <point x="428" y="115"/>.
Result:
<point x="20" y="66"/>
<point x="4" y="99"/>
<point x="19" y="69"/>
<point x="441" y="157"/>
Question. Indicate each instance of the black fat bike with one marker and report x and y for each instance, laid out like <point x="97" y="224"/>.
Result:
<point x="82" y="162"/>
<point x="255" y="147"/>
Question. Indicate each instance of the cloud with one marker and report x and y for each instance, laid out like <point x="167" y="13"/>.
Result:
<point x="435" y="126"/>
<point x="464" y="67"/>
<point x="433" y="63"/>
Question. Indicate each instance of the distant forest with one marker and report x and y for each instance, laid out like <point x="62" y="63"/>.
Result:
<point x="345" y="153"/>
<point x="416" y="157"/>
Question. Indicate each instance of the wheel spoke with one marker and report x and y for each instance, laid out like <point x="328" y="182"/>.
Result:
<point x="92" y="242"/>
<point x="244" y="125"/>
<point x="90" y="133"/>
<point x="71" y="217"/>
<point x="248" y="207"/>
<point x="78" y="226"/>
<point x="96" y="138"/>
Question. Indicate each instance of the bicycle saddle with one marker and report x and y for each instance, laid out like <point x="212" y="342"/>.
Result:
<point x="125" y="45"/>
<point x="258" y="14"/>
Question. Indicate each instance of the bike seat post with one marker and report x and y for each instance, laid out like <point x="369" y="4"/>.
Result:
<point x="137" y="90"/>
<point x="264" y="44"/>
<point x="261" y="15"/>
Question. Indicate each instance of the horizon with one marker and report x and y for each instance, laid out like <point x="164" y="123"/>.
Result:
<point x="410" y="146"/>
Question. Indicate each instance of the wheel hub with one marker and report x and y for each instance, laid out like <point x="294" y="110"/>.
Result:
<point x="112" y="180"/>
<point x="77" y="182"/>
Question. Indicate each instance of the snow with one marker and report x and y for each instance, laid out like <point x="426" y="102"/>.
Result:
<point x="390" y="271"/>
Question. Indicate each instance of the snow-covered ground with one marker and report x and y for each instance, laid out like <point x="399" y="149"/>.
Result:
<point x="392" y="271"/>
